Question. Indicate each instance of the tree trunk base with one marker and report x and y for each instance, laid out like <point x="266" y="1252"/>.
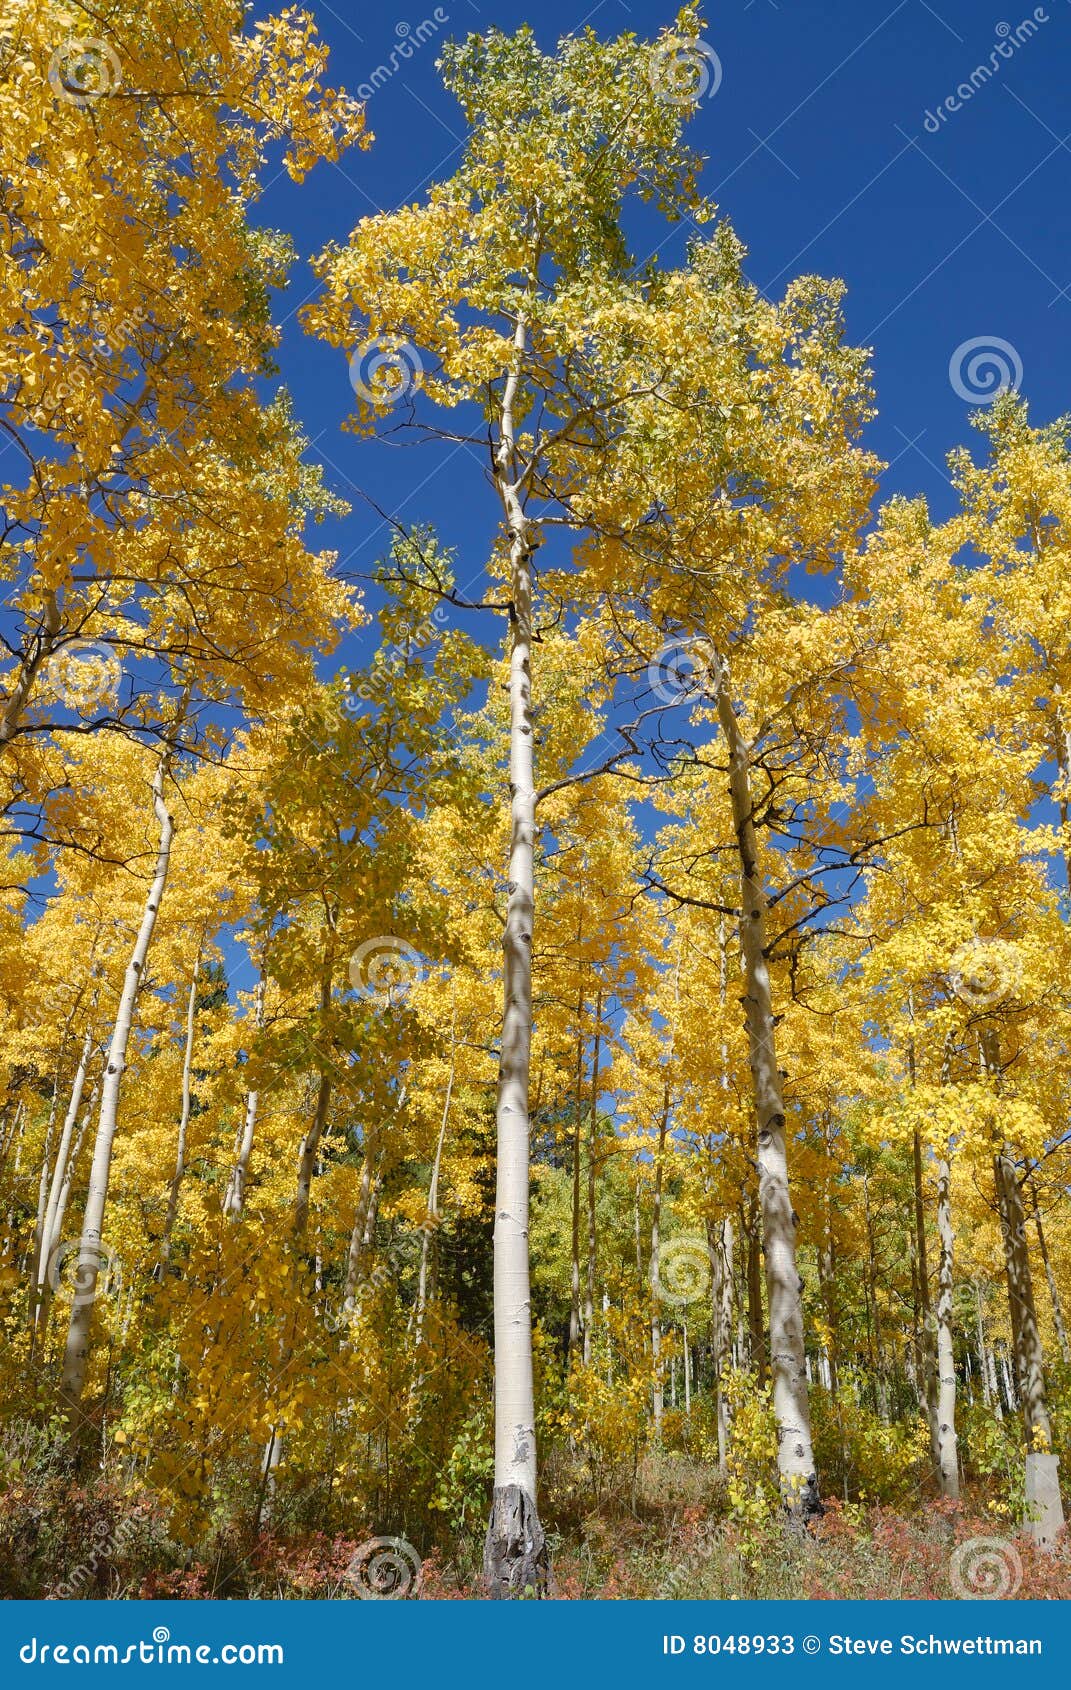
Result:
<point x="803" y="1504"/>
<point x="1044" y="1506"/>
<point x="515" y="1560"/>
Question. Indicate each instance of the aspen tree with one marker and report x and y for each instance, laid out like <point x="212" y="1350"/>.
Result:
<point x="92" y="1254"/>
<point x="525" y="239"/>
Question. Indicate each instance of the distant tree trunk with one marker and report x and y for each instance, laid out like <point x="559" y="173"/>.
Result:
<point x="687" y="1370"/>
<point x="1042" y="1481"/>
<point x="656" y="1268"/>
<point x="826" y="1284"/>
<point x="1050" y="1280"/>
<point x="431" y="1217"/>
<point x="43" y="1180"/>
<point x="234" y="1200"/>
<point x="46" y="1232"/>
<point x="756" y="1318"/>
<point x="1026" y="1337"/>
<point x="574" y="1262"/>
<point x="310" y="1144"/>
<point x="925" y="1335"/>
<point x="91" y="1249"/>
<point x="593" y="1133"/>
<point x="1062" y="748"/>
<point x="184" y="1119"/>
<point x="18" y="1135"/>
<point x="515" y="1551"/>
<point x="720" y="1244"/>
<point x="881" y="1387"/>
<point x="13" y="1130"/>
<point x="55" y="1226"/>
<point x="986" y="1364"/>
<point x="788" y="1362"/>
<point x="356" y="1253"/>
<point x="948" y="1458"/>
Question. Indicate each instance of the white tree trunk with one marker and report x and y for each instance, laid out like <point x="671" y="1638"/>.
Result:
<point x="310" y="1144"/>
<point x="788" y="1365"/>
<point x="355" y="1254"/>
<point x="42" y="1188"/>
<point x="234" y="1201"/>
<point x="1050" y="1280"/>
<point x="431" y="1216"/>
<point x="55" y="1233"/>
<point x="947" y="1453"/>
<point x="593" y="1241"/>
<point x="184" y="1119"/>
<point x="1044" y="1518"/>
<point x="658" y="1397"/>
<point x="48" y="1238"/>
<point x="515" y="1553"/>
<point x="720" y="1245"/>
<point x="91" y="1249"/>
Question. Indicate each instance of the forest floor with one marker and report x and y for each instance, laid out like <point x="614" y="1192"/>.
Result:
<point x="669" y="1538"/>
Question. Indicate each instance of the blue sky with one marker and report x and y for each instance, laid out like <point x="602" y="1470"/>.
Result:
<point x="947" y="231"/>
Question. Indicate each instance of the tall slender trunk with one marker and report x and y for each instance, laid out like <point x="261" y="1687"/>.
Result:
<point x="756" y="1318"/>
<point x="1050" y="1279"/>
<point x="1026" y="1337"/>
<point x="355" y="1254"/>
<point x="788" y="1363"/>
<point x="91" y="1249"/>
<point x="1062" y="749"/>
<point x="515" y="1552"/>
<point x="55" y="1226"/>
<point x="986" y="1364"/>
<point x="431" y="1217"/>
<point x="574" y="1257"/>
<point x="656" y="1267"/>
<point x="310" y="1144"/>
<point x="19" y="1137"/>
<point x="686" y="1365"/>
<point x="826" y="1273"/>
<point x="43" y="1185"/>
<point x="1044" y="1504"/>
<point x="720" y="1245"/>
<point x="881" y="1389"/>
<point x="184" y="1119"/>
<point x="234" y="1200"/>
<point x="13" y="1132"/>
<point x="947" y="1453"/>
<point x="306" y="1170"/>
<point x="593" y="1134"/>
<point x="48" y="1239"/>
<point x="926" y="1348"/>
